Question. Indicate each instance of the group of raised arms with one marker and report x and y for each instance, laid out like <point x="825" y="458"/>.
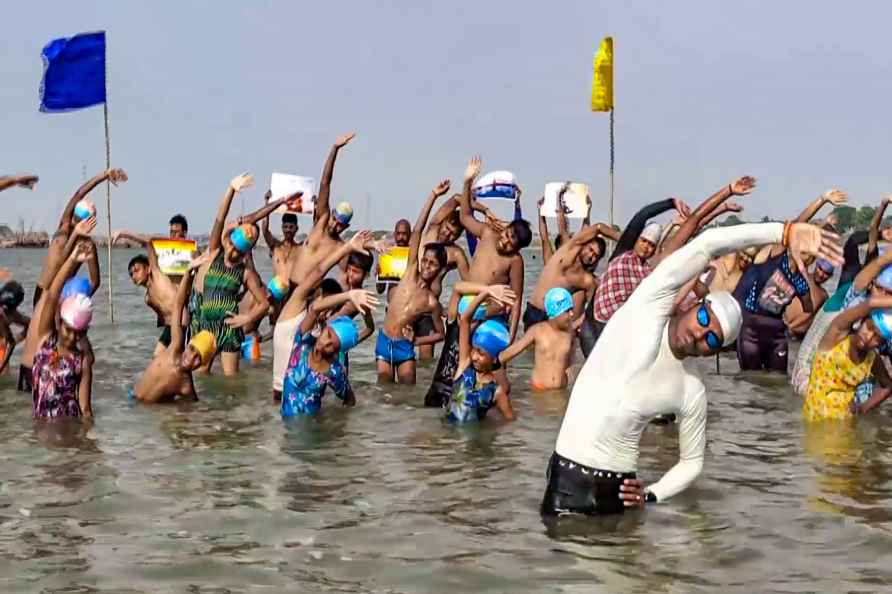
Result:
<point x="665" y="293"/>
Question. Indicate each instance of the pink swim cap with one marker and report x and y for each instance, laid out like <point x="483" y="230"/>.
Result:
<point x="77" y="312"/>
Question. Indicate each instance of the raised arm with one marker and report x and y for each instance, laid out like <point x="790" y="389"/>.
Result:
<point x="23" y="181"/>
<point x="466" y="212"/>
<point x="421" y="222"/>
<point x="544" y="239"/>
<point x="322" y="201"/>
<point x="639" y="221"/>
<point x="113" y="175"/>
<point x="516" y="283"/>
<point x="740" y="187"/>
<point x="871" y="271"/>
<point x="516" y="348"/>
<point x="47" y="322"/>
<point x="93" y="269"/>
<point x="177" y="331"/>
<point x="464" y="332"/>
<point x="563" y="224"/>
<point x="362" y="300"/>
<point x="721" y="210"/>
<point x="689" y="261"/>
<point x="264" y="212"/>
<point x="238" y="184"/>
<point x="852" y="257"/>
<point x="144" y="240"/>
<point x="874" y="233"/>
<point x="834" y="197"/>
<point x="841" y="325"/>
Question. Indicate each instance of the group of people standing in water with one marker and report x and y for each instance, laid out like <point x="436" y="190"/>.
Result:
<point x="665" y="294"/>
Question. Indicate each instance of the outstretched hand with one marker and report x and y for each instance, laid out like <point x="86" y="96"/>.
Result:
<point x="835" y="197"/>
<point x="442" y="188"/>
<point x="682" y="208"/>
<point x="497" y="224"/>
<point x="503" y="294"/>
<point x="82" y="252"/>
<point x="473" y="168"/>
<point x="116" y="176"/>
<point x="363" y="300"/>
<point x="26" y="181"/>
<point x="241" y="182"/>
<point x="343" y="139"/>
<point x="85" y="228"/>
<point x="359" y="242"/>
<point x="743" y="185"/>
<point x="810" y="240"/>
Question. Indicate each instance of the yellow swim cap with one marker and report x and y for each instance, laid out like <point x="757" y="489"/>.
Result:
<point x="206" y="344"/>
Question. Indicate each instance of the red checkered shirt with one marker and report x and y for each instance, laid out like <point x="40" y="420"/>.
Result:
<point x="621" y="278"/>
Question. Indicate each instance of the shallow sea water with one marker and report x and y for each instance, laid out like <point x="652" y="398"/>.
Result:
<point x="223" y="496"/>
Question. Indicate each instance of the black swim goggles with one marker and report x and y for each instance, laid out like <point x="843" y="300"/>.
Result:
<point x="712" y="339"/>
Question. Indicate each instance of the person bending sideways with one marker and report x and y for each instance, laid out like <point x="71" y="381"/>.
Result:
<point x="635" y="373"/>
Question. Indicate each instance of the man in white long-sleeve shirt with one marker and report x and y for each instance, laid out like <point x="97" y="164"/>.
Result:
<point x="635" y="373"/>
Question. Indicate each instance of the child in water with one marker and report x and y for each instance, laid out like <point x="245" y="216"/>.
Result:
<point x="314" y="362"/>
<point x="476" y="388"/>
<point x="62" y="372"/>
<point x="11" y="297"/>
<point x="169" y="374"/>
<point x="847" y="357"/>
<point x="553" y="340"/>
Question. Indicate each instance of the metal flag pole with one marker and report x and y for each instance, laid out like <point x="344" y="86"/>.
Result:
<point x="611" y="166"/>
<point x="111" y="291"/>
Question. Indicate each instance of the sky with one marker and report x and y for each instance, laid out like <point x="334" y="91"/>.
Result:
<point x="795" y="93"/>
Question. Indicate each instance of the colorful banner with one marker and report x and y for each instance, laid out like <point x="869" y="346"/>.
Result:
<point x="174" y="255"/>
<point x="602" y="82"/>
<point x="392" y="264"/>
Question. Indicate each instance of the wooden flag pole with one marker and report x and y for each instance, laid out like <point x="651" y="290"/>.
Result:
<point x="111" y="291"/>
<point x="611" y="166"/>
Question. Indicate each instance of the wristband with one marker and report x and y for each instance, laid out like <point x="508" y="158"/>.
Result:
<point x="649" y="497"/>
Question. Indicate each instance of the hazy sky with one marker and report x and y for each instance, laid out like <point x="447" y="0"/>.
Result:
<point x="795" y="93"/>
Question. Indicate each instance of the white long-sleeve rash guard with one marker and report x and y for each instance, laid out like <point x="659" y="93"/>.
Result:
<point x="632" y="376"/>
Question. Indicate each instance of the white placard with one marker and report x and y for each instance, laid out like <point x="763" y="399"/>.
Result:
<point x="575" y="199"/>
<point x="285" y="184"/>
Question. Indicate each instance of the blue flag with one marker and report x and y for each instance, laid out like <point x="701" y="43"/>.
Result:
<point x="73" y="73"/>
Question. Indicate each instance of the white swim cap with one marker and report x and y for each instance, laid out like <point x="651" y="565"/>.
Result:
<point x="652" y="233"/>
<point x="727" y="311"/>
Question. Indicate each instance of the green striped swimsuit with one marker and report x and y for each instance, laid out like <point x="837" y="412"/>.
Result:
<point x="220" y="299"/>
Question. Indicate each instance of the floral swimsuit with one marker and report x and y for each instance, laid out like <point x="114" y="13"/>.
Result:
<point x="56" y="378"/>
<point x="469" y="401"/>
<point x="304" y="387"/>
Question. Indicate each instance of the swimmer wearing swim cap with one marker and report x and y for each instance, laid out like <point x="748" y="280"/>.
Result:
<point x="315" y="363"/>
<point x="636" y="373"/>
<point x="553" y="341"/>
<point x="169" y="375"/>
<point x="476" y="388"/>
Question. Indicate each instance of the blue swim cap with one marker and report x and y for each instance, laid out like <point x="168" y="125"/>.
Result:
<point x="884" y="278"/>
<point x="84" y="209"/>
<point x="243" y="238"/>
<point x="882" y="319"/>
<point x="465" y="301"/>
<point x="557" y="301"/>
<point x="278" y="287"/>
<point x="76" y="285"/>
<point x="343" y="213"/>
<point x="346" y="332"/>
<point x="492" y="337"/>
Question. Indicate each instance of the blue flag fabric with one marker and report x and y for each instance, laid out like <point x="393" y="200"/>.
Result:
<point x="73" y="72"/>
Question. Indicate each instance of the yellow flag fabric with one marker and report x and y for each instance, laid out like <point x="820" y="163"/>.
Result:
<point x="602" y="82"/>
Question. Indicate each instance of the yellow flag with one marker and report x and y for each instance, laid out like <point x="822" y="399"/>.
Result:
<point x="602" y="82"/>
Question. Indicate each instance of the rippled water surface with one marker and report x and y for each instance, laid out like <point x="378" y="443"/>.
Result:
<point x="222" y="496"/>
